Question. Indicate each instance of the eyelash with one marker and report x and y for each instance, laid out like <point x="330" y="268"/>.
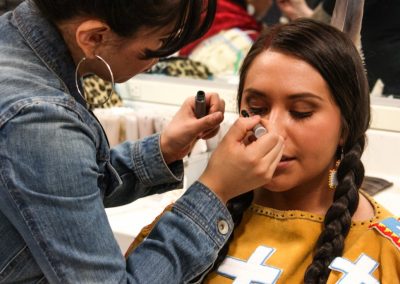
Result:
<point x="295" y="114"/>
<point x="301" y="115"/>
<point x="258" y="111"/>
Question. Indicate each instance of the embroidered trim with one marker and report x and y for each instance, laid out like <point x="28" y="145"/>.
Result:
<point x="390" y="229"/>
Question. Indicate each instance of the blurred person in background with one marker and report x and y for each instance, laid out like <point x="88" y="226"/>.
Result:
<point x="236" y="25"/>
<point x="380" y="36"/>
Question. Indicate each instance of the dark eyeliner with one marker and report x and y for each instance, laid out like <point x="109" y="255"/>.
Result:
<point x="301" y="115"/>
<point x="257" y="111"/>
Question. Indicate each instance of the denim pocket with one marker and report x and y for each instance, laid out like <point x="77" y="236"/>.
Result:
<point x="22" y="268"/>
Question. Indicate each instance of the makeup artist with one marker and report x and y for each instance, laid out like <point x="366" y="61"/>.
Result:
<point x="57" y="172"/>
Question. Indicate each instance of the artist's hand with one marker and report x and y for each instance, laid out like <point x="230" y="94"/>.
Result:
<point x="185" y="129"/>
<point x="294" y="9"/>
<point x="236" y="167"/>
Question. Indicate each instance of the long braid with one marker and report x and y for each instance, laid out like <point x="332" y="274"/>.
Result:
<point x="337" y="220"/>
<point x="236" y="207"/>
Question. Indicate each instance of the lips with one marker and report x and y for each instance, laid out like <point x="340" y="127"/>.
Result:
<point x="285" y="163"/>
<point x="286" y="158"/>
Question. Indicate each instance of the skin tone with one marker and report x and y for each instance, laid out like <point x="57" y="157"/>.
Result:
<point x="294" y="9"/>
<point x="90" y="37"/>
<point x="235" y="167"/>
<point x="303" y="113"/>
<point x="261" y="7"/>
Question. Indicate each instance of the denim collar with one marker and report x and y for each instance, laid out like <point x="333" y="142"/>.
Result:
<point x="47" y="42"/>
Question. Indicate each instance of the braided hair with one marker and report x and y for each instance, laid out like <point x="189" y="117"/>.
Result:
<point x="333" y="54"/>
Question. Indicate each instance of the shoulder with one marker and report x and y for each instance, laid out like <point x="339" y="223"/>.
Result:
<point x="383" y="228"/>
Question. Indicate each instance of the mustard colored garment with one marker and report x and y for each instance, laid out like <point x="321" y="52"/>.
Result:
<point x="279" y="245"/>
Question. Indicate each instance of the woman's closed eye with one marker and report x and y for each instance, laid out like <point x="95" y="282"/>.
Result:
<point x="301" y="114"/>
<point x="258" y="110"/>
<point x="294" y="113"/>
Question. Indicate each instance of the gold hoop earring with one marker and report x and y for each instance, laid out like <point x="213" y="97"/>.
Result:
<point x="332" y="179"/>
<point x="111" y="76"/>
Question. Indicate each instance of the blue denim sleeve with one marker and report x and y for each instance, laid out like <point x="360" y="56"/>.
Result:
<point x="142" y="170"/>
<point x="185" y="242"/>
<point x="50" y="193"/>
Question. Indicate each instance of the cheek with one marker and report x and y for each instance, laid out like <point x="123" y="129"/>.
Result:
<point x="319" y="141"/>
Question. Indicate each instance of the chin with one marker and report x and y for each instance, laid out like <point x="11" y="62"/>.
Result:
<point x="278" y="181"/>
<point x="279" y="184"/>
<point x="122" y="79"/>
<point x="272" y="187"/>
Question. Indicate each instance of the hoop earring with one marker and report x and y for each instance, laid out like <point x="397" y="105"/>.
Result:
<point x="111" y="76"/>
<point x="332" y="179"/>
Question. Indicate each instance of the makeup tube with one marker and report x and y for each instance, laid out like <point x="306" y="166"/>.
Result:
<point x="258" y="129"/>
<point x="200" y="108"/>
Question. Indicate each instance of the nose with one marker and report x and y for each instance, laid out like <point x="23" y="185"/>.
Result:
<point x="276" y="122"/>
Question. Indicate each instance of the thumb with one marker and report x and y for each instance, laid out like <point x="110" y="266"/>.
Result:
<point x="241" y="127"/>
<point x="208" y="122"/>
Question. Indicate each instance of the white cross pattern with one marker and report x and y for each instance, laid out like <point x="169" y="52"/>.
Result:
<point x="359" y="272"/>
<point x="252" y="271"/>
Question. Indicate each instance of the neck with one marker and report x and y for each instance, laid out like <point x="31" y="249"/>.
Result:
<point x="314" y="198"/>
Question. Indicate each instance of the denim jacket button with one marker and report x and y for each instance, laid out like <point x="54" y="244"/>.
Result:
<point x="223" y="227"/>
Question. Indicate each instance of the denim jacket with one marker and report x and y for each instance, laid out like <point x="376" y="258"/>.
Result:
<point x="57" y="174"/>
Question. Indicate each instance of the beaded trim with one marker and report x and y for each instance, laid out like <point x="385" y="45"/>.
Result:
<point x="297" y="214"/>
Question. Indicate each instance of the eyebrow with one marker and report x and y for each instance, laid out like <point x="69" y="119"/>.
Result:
<point x="293" y="97"/>
<point x="253" y="93"/>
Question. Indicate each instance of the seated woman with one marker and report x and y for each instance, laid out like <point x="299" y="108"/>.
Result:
<point x="312" y="223"/>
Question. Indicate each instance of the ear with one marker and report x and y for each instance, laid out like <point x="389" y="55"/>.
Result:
<point x="91" y="34"/>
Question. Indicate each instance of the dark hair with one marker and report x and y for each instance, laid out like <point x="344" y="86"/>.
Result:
<point x="191" y="18"/>
<point x="337" y="60"/>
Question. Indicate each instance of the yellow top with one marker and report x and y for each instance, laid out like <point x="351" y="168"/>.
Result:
<point x="273" y="246"/>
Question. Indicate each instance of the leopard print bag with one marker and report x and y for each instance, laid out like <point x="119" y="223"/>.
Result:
<point x="97" y="91"/>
